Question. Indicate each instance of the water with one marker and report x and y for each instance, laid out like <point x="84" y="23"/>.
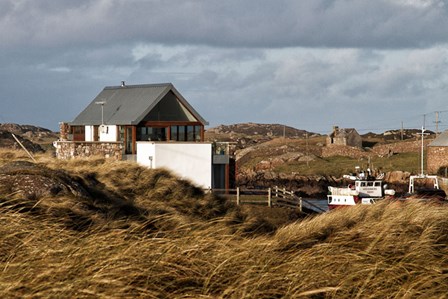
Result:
<point x="317" y="205"/>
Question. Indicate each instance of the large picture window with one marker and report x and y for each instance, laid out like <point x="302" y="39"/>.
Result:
<point x="185" y="133"/>
<point x="151" y="134"/>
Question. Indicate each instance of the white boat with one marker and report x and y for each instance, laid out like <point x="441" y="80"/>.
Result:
<point x="364" y="190"/>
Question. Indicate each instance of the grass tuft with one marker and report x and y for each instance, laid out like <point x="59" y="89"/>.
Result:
<point x="144" y="233"/>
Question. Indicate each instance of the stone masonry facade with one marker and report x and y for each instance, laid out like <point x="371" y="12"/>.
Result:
<point x="437" y="158"/>
<point x="83" y="149"/>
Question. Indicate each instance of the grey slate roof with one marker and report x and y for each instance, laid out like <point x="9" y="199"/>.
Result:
<point x="441" y="140"/>
<point x="342" y="132"/>
<point x="128" y="105"/>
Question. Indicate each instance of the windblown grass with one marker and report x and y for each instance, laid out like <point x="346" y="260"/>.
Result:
<point x="172" y="241"/>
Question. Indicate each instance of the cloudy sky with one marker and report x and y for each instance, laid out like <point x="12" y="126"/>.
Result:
<point x="311" y="64"/>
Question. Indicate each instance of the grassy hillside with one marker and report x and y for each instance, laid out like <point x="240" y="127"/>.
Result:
<point x="114" y="230"/>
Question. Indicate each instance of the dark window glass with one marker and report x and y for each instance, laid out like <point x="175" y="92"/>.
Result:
<point x="181" y="133"/>
<point x="174" y="133"/>
<point x="190" y="133"/>
<point x="197" y="133"/>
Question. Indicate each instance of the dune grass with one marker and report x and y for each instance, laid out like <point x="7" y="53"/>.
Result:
<point x="171" y="240"/>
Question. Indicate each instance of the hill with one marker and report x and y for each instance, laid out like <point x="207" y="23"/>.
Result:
<point x="114" y="229"/>
<point x="27" y="130"/>
<point x="35" y="139"/>
<point x="265" y="130"/>
<point x="300" y="162"/>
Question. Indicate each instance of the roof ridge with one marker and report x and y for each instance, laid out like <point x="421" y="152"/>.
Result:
<point x="139" y="86"/>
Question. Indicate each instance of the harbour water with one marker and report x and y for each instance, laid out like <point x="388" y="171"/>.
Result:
<point x="315" y="204"/>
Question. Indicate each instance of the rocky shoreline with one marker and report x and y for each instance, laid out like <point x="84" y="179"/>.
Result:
<point x="315" y="186"/>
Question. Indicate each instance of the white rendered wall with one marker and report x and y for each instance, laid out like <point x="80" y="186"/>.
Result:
<point x="109" y="134"/>
<point x="89" y="133"/>
<point x="192" y="161"/>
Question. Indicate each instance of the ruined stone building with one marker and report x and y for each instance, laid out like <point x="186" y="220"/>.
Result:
<point x="344" y="136"/>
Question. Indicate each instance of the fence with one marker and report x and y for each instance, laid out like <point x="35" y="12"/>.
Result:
<point x="272" y="197"/>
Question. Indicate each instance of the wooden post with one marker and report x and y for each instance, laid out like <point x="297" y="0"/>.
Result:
<point x="238" y="196"/>
<point x="24" y="148"/>
<point x="269" y="198"/>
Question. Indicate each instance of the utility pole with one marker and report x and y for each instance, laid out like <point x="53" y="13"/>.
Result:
<point x="306" y="143"/>
<point x="437" y="123"/>
<point x="401" y="130"/>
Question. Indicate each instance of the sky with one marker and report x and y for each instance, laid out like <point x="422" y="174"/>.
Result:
<point x="373" y="65"/>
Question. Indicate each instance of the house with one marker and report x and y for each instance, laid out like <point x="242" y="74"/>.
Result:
<point x="152" y="124"/>
<point x="437" y="154"/>
<point x="131" y="113"/>
<point x="344" y="136"/>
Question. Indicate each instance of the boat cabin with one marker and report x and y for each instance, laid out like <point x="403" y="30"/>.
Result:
<point x="369" y="188"/>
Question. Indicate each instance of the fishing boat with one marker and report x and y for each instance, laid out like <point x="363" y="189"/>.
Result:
<point x="365" y="190"/>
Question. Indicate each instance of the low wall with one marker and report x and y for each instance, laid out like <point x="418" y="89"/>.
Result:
<point x="414" y="146"/>
<point x="343" y="150"/>
<point x="84" y="149"/>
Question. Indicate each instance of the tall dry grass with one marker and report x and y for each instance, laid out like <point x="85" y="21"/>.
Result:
<point x="173" y="241"/>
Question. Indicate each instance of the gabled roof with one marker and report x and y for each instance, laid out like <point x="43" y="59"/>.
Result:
<point x="129" y="104"/>
<point x="441" y="140"/>
<point x="342" y="132"/>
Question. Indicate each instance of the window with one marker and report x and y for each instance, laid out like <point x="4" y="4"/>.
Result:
<point x="190" y="133"/>
<point x="174" y="133"/>
<point x="197" y="133"/>
<point x="151" y="134"/>
<point x="185" y="133"/>
<point x="181" y="133"/>
<point x="78" y="133"/>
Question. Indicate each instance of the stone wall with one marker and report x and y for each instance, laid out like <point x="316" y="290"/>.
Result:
<point x="342" y="150"/>
<point x="437" y="156"/>
<point x="412" y="146"/>
<point x="84" y="149"/>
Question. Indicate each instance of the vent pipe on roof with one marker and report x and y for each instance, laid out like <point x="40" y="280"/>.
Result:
<point x="123" y="84"/>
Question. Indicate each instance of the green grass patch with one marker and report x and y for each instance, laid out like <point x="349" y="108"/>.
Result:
<point x="338" y="165"/>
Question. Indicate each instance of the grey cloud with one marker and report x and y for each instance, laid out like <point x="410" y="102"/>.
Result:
<point x="253" y="23"/>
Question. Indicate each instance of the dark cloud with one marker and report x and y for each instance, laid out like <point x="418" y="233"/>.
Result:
<point x="309" y="64"/>
<point x="252" y="23"/>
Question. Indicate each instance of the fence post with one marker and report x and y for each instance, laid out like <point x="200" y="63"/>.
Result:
<point x="238" y="196"/>
<point x="269" y="198"/>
